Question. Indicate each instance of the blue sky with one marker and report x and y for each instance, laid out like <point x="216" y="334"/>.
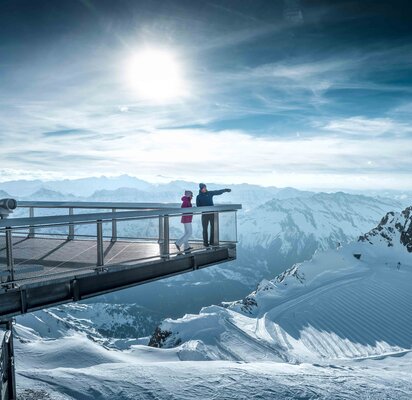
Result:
<point x="311" y="94"/>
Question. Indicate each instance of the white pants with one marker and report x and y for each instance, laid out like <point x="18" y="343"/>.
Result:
<point x="185" y="238"/>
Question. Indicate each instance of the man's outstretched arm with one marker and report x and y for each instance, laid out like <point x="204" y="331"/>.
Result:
<point x="218" y="192"/>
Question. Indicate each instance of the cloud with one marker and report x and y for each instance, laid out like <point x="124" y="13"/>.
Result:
<point x="69" y="132"/>
<point x="232" y="156"/>
<point x="237" y="156"/>
<point x="366" y="127"/>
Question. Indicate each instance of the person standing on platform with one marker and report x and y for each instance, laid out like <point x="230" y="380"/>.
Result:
<point x="205" y="199"/>
<point x="186" y="220"/>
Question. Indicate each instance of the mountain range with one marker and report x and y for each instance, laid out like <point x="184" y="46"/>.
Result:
<point x="273" y="235"/>
<point x="336" y="326"/>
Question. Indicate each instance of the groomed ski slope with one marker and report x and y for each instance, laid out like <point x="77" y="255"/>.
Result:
<point x="362" y="314"/>
<point x="333" y="307"/>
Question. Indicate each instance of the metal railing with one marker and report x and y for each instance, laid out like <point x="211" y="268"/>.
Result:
<point x="159" y="224"/>
<point x="71" y="206"/>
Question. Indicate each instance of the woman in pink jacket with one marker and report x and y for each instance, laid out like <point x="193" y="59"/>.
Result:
<point x="187" y="223"/>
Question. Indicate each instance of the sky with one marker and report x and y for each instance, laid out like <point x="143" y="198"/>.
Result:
<point x="309" y="94"/>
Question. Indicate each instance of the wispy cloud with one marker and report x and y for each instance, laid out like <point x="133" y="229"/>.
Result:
<point x="364" y="128"/>
<point x="230" y="156"/>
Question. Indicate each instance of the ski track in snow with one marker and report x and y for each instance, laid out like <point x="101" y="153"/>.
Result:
<point x="344" y="319"/>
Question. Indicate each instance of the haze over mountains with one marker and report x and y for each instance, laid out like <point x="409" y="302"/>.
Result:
<point x="276" y="228"/>
<point x="134" y="189"/>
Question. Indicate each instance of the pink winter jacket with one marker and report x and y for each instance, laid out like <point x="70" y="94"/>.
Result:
<point x="186" y="218"/>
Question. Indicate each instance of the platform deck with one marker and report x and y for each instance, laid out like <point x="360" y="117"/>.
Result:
<point x="49" y="271"/>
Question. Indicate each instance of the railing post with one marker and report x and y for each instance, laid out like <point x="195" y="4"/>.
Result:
<point x="235" y="226"/>
<point x="161" y="233"/>
<point x="31" y="227"/>
<point x="166" y="237"/>
<point x="9" y="253"/>
<point x="114" y="228"/>
<point x="100" y="253"/>
<point x="71" y="226"/>
<point x="216" y="229"/>
<point x="11" y="375"/>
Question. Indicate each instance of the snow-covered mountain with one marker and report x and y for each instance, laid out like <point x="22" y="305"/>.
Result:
<point x="4" y="194"/>
<point x="127" y="188"/>
<point x="80" y="187"/>
<point x="283" y="232"/>
<point x="335" y="327"/>
<point x="43" y="194"/>
<point x="272" y="237"/>
<point x="349" y="303"/>
<point x="108" y="324"/>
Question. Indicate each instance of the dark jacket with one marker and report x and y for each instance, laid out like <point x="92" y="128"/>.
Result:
<point x="206" y="199"/>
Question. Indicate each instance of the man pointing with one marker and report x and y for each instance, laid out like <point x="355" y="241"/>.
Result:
<point x="205" y="199"/>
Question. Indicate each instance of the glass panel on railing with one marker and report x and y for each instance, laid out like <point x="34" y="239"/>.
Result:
<point x="138" y="229"/>
<point x="183" y="227"/>
<point x="58" y="231"/>
<point x="49" y="254"/>
<point x="84" y="231"/>
<point x="136" y="241"/>
<point x="4" y="274"/>
<point x="227" y="226"/>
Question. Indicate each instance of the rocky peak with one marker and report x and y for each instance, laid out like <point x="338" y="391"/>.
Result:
<point x="394" y="227"/>
<point x="406" y="234"/>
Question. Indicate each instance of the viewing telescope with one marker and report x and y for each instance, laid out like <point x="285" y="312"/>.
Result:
<point x="7" y="206"/>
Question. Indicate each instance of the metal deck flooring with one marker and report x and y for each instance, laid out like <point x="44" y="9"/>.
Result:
<point x="42" y="258"/>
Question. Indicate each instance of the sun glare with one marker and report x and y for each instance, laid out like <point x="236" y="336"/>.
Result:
<point x="156" y="75"/>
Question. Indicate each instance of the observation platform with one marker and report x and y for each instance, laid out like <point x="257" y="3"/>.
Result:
<point x="62" y="256"/>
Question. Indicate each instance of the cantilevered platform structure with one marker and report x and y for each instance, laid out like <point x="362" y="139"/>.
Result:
<point x="53" y="253"/>
<point x="53" y="259"/>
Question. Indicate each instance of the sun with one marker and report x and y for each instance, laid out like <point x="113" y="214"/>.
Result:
<point x="156" y="75"/>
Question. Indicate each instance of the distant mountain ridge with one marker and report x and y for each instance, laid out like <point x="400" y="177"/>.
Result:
<point x="127" y="188"/>
<point x="83" y="187"/>
<point x="4" y="194"/>
<point x="283" y="232"/>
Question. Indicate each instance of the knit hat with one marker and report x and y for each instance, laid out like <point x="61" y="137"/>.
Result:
<point x="201" y="186"/>
<point x="188" y="193"/>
